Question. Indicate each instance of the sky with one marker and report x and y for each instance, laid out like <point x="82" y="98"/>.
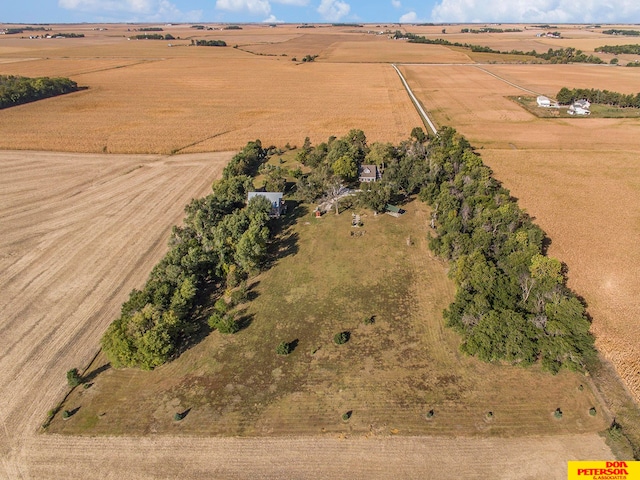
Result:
<point x="317" y="11"/>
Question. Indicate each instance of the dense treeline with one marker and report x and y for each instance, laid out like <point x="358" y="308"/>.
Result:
<point x="633" y="49"/>
<point x="604" y="97"/>
<point x="15" y="90"/>
<point x="630" y="33"/>
<point x="153" y="36"/>
<point x="511" y="302"/>
<point x="68" y="35"/>
<point x="221" y="241"/>
<point x="209" y="43"/>
<point x="490" y="30"/>
<point x="561" y="55"/>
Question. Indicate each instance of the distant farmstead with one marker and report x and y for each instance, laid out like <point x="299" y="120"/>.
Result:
<point x="368" y="173"/>
<point x="278" y="206"/>
<point x="546" y="102"/>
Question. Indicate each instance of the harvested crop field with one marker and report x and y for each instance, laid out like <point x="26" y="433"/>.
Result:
<point x="79" y="232"/>
<point x="577" y="177"/>
<point x="139" y="99"/>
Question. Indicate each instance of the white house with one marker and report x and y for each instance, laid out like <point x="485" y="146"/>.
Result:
<point x="582" y="104"/>
<point x="578" y="110"/>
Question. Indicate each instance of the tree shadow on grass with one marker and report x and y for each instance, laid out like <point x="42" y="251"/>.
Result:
<point x="286" y="241"/>
<point x="94" y="373"/>
<point x="293" y="345"/>
<point x="244" y="321"/>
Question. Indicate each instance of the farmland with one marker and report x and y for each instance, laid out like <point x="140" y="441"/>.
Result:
<point x="81" y="230"/>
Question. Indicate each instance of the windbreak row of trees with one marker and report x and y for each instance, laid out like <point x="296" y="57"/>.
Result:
<point x="153" y="36"/>
<point x="614" y="31"/>
<point x="221" y="241"/>
<point x="16" y="90"/>
<point x="209" y="43"/>
<point x="511" y="302"/>
<point x="567" y="96"/>
<point x="561" y="55"/>
<point x="633" y="49"/>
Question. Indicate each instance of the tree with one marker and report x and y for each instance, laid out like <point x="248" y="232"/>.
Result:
<point x="74" y="378"/>
<point x="333" y="190"/>
<point x="418" y="134"/>
<point x="376" y="195"/>
<point x="346" y="168"/>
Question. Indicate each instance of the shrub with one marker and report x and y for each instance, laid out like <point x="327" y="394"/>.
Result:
<point x="557" y="413"/>
<point x="224" y="323"/>
<point x="592" y="411"/>
<point x="74" y="378"/>
<point x="66" y="414"/>
<point x="369" y="320"/>
<point x="347" y="415"/>
<point x="430" y="413"/>
<point x="178" y="416"/>
<point x="341" y="338"/>
<point x="283" y="348"/>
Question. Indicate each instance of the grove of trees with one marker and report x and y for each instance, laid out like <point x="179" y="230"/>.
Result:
<point x="222" y="240"/>
<point x="16" y="90"/>
<point x="511" y="303"/>
<point x="633" y="49"/>
<point x="604" y="97"/>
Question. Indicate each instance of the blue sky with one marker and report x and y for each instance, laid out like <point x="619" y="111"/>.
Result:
<point x="372" y="11"/>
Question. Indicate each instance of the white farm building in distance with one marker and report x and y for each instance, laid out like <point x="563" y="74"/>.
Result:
<point x="546" y="102"/>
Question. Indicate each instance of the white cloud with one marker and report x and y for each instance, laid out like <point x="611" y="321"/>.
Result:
<point x="333" y="10"/>
<point x="396" y="3"/>
<point x="272" y="19"/>
<point x="133" y="10"/>
<point x="297" y="3"/>
<point x="535" y="11"/>
<point x="410" y="17"/>
<point x="254" y="7"/>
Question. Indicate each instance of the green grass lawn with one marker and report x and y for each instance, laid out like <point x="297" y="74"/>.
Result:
<point x="328" y="277"/>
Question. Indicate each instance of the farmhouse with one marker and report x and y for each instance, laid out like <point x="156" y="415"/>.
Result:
<point x="582" y="104"/>
<point x="368" y="173"/>
<point x="278" y="206"/>
<point x="576" y="109"/>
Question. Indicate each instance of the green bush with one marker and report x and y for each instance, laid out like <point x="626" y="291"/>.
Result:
<point x="347" y="415"/>
<point x="66" y="414"/>
<point x="74" y="378"/>
<point x="283" y="348"/>
<point x="369" y="320"/>
<point x="223" y="323"/>
<point x="557" y="413"/>
<point x="592" y="411"/>
<point x="178" y="416"/>
<point x="341" y="338"/>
